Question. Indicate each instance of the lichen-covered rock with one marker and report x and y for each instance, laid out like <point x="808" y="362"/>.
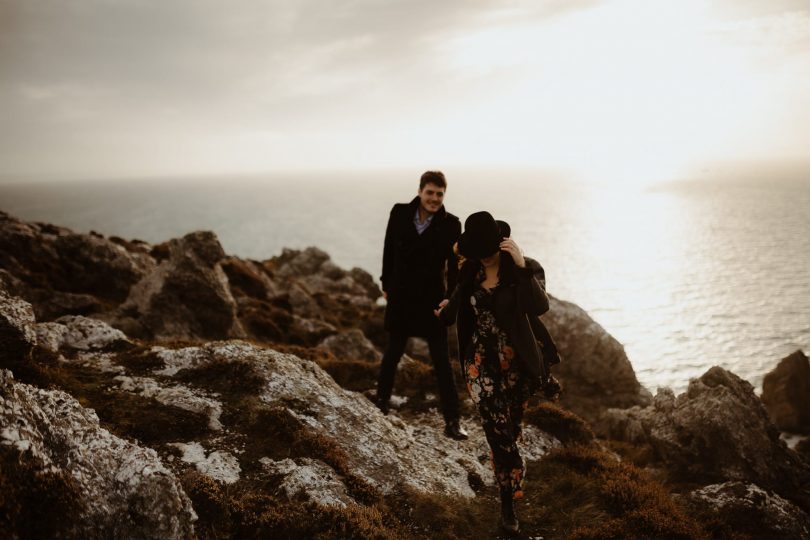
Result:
<point x="294" y="263"/>
<point x="79" y="333"/>
<point x="352" y="345"/>
<point x="248" y="278"/>
<point x="717" y="430"/>
<point x="175" y="395"/>
<point x="187" y="296"/>
<point x="306" y="479"/>
<point x="751" y="510"/>
<point x="786" y="393"/>
<point x="124" y="489"/>
<point x="595" y="371"/>
<point x="55" y="258"/>
<point x="17" y="331"/>
<point x="383" y="450"/>
<point x="221" y="466"/>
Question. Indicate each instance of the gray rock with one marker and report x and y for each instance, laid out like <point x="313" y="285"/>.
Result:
<point x="294" y="263"/>
<point x="718" y="429"/>
<point x="309" y="480"/>
<point x="310" y="331"/>
<point x="595" y="371"/>
<point x="175" y="395"/>
<point x="79" y="333"/>
<point x="186" y="296"/>
<point x="352" y="345"/>
<point x="786" y="393"/>
<point x="218" y="465"/>
<point x="17" y="331"/>
<point x="749" y="509"/>
<point x="56" y="259"/>
<point x="383" y="450"/>
<point x="125" y="490"/>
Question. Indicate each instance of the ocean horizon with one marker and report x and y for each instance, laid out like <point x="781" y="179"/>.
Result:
<point x="686" y="275"/>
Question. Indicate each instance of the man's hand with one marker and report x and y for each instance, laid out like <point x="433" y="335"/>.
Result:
<point x="508" y="245"/>
<point x="443" y="303"/>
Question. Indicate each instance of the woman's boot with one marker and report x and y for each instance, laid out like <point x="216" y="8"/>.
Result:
<point x="509" y="521"/>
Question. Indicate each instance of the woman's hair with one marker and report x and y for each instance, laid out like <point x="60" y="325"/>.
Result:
<point x="470" y="268"/>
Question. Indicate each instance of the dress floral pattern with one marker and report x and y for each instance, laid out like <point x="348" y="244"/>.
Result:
<point x="499" y="390"/>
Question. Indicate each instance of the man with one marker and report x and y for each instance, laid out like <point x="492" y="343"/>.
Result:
<point x="417" y="254"/>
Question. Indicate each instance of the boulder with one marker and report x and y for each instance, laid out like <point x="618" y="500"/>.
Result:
<point x="595" y="371"/>
<point x="114" y="488"/>
<point x="786" y="393"/>
<point x="306" y="479"/>
<point x="17" y="331"/>
<point x="248" y="278"/>
<point x="351" y="345"/>
<point x="717" y="430"/>
<point x="187" y="296"/>
<point x="382" y="450"/>
<point x="749" y="509"/>
<point x="217" y="465"/>
<point x="55" y="258"/>
<point x="79" y="333"/>
<point x="294" y="263"/>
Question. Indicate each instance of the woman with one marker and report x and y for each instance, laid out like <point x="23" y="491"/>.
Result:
<point x="496" y="305"/>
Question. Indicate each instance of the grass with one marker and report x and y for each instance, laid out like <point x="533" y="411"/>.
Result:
<point x="562" y="424"/>
<point x="35" y="503"/>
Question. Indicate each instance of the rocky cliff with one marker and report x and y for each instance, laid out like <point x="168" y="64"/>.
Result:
<point x="171" y="390"/>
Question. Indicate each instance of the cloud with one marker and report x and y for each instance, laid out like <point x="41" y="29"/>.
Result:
<point x="200" y="83"/>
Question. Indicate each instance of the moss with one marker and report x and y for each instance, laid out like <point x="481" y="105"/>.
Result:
<point x="36" y="504"/>
<point x="356" y="375"/>
<point x="252" y="511"/>
<point x="231" y="379"/>
<point x="564" y="425"/>
<point x="140" y="361"/>
<point x="623" y="500"/>
<point x="123" y="413"/>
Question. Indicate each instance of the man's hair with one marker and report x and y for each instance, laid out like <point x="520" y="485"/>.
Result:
<point x="433" y="177"/>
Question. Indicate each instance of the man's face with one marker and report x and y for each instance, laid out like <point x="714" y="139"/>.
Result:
<point x="431" y="198"/>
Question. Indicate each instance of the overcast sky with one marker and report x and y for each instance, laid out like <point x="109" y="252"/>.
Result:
<point x="624" y="89"/>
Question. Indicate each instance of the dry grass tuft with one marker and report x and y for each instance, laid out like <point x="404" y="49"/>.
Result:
<point x="624" y="501"/>
<point x="36" y="504"/>
<point x="564" y="425"/>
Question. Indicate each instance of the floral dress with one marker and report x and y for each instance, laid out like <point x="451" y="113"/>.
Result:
<point x="499" y="390"/>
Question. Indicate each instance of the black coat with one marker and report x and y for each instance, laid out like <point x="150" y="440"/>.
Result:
<point x="517" y="308"/>
<point x="414" y="269"/>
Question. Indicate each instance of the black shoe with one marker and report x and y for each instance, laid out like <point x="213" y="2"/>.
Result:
<point x="509" y="520"/>
<point x="382" y="405"/>
<point x="454" y="430"/>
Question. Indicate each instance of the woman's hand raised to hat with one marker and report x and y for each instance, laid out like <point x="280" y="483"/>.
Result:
<point x="442" y="304"/>
<point x="508" y="245"/>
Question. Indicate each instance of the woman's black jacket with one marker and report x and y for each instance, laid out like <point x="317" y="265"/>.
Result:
<point x="517" y="307"/>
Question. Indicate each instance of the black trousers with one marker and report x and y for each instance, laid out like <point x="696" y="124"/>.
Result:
<point x="440" y="356"/>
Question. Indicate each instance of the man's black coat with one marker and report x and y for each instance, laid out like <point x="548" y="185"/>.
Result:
<point x="414" y="269"/>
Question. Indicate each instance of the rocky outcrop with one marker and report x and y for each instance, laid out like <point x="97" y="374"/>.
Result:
<point x="786" y="393"/>
<point x="595" y="371"/>
<point x="307" y="479"/>
<point x="187" y="296"/>
<point x="352" y="345"/>
<point x="384" y="451"/>
<point x="17" y="332"/>
<point x="80" y="333"/>
<point x="717" y="430"/>
<point x="49" y="258"/>
<point x="118" y="489"/>
<point x="751" y="509"/>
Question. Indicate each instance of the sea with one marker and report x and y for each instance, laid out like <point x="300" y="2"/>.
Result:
<point x="685" y="274"/>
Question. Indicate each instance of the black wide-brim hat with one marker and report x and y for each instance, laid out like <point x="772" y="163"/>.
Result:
<point x="482" y="236"/>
